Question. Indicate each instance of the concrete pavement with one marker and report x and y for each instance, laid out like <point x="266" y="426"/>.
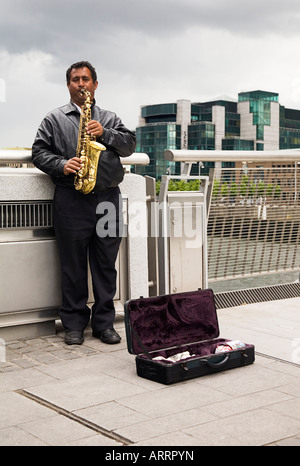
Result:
<point x="90" y="395"/>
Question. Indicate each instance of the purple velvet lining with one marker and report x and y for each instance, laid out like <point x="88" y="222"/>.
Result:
<point x="173" y="320"/>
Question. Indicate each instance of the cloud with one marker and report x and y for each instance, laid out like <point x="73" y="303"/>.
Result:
<point x="145" y="52"/>
<point x="49" y="24"/>
<point x="26" y="85"/>
<point x="2" y="90"/>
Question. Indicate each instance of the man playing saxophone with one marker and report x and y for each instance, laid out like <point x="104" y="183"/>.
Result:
<point x="55" y="151"/>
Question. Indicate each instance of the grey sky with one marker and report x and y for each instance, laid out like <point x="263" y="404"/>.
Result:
<point x="145" y="52"/>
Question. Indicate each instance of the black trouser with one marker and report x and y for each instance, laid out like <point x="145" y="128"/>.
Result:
<point x="75" y="222"/>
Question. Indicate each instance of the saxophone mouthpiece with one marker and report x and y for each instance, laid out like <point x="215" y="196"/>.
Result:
<point x="84" y="92"/>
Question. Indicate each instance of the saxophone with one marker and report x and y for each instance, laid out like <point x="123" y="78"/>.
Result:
<point x="88" y="150"/>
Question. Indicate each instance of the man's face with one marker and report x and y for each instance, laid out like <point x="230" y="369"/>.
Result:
<point x="81" y="79"/>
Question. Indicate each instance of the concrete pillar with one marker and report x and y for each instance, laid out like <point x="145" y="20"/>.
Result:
<point x="184" y="119"/>
<point x="218" y="118"/>
<point x="247" y="129"/>
<point x="271" y="133"/>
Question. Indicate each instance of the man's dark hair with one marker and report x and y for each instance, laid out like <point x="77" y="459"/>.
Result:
<point x="81" y="64"/>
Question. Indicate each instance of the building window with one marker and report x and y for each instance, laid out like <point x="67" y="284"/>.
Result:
<point x="260" y="132"/>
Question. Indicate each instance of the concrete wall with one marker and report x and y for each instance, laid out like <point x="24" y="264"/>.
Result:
<point x="29" y="265"/>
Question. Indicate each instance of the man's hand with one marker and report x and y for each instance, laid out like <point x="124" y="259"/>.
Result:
<point x="72" y="165"/>
<point x="94" y="128"/>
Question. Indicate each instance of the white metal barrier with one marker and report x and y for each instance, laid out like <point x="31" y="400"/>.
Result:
<point x="182" y="239"/>
<point x="254" y="214"/>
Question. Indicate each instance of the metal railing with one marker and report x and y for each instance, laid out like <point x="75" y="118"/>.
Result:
<point x="254" y="222"/>
<point x="254" y="215"/>
<point x="248" y="156"/>
<point x="24" y="157"/>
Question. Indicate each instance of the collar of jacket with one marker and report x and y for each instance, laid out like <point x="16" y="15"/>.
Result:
<point x="71" y="107"/>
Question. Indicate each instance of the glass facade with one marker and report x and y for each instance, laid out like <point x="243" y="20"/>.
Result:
<point x="154" y="140"/>
<point x="232" y="124"/>
<point x="201" y="132"/>
<point x="160" y="130"/>
<point x="199" y="113"/>
<point x="289" y="138"/>
<point x="159" y="113"/>
<point x="237" y="144"/>
<point x="289" y="128"/>
<point x="258" y="95"/>
<point x="201" y="136"/>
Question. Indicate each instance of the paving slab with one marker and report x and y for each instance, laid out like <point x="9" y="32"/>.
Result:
<point x="17" y="437"/>
<point x="52" y="394"/>
<point x="59" y="431"/>
<point x="273" y="327"/>
<point x="83" y="391"/>
<point x="15" y="409"/>
<point x="252" y="428"/>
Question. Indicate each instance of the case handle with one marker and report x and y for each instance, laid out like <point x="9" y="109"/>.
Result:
<point x="218" y="364"/>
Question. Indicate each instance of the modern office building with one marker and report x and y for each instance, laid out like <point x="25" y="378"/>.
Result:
<point x="256" y="121"/>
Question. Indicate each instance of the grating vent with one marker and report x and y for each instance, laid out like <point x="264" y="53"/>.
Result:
<point x="257" y="295"/>
<point x="26" y="215"/>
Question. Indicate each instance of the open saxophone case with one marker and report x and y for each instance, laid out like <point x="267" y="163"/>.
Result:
<point x="175" y="337"/>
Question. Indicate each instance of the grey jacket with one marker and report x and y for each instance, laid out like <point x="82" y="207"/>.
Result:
<point x="57" y="137"/>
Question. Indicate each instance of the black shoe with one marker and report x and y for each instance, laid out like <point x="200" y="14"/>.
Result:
<point x="74" y="337"/>
<point x="108" y="335"/>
